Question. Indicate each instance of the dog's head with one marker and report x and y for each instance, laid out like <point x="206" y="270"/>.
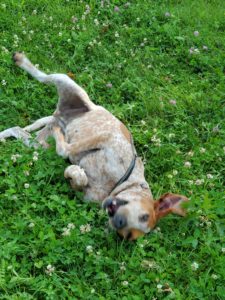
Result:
<point x="134" y="213"/>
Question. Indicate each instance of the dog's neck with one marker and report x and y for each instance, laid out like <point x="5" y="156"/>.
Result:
<point x="135" y="182"/>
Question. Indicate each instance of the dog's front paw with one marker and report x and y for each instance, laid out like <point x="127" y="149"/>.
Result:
<point x="77" y="175"/>
<point x="18" y="58"/>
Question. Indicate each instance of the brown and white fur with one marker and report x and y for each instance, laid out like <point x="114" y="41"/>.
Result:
<point x="100" y="150"/>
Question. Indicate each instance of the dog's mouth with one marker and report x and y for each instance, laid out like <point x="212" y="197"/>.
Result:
<point x="111" y="205"/>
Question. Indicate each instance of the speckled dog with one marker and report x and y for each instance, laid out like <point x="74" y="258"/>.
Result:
<point x="103" y="159"/>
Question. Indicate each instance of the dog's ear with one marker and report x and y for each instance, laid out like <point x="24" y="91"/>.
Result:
<point x="169" y="203"/>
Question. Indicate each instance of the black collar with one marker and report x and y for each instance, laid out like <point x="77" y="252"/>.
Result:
<point x="129" y="170"/>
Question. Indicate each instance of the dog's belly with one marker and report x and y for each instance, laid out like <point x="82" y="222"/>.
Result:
<point x="104" y="163"/>
<point x="103" y="168"/>
<point x="91" y="123"/>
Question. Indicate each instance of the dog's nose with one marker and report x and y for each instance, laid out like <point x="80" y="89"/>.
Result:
<point x="119" y="221"/>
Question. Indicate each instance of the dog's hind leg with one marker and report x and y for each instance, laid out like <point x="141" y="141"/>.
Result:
<point x="72" y="98"/>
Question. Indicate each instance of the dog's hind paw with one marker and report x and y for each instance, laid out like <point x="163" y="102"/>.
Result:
<point x="18" y="58"/>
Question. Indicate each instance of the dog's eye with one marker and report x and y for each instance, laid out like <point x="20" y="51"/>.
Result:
<point x="144" y="218"/>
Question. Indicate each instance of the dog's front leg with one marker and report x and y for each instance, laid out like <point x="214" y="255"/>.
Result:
<point x="62" y="147"/>
<point x="24" y="133"/>
<point x="86" y="144"/>
<point x="18" y="133"/>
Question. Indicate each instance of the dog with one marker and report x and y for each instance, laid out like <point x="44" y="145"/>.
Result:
<point x="104" y="162"/>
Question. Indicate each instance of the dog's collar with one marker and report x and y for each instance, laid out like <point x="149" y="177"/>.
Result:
<point x="129" y="170"/>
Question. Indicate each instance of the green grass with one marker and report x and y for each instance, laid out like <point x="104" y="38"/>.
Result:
<point x="148" y="64"/>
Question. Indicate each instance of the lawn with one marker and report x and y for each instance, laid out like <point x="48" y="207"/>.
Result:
<point x="159" y="67"/>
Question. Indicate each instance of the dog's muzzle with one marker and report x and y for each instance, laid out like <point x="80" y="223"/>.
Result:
<point x="111" y="205"/>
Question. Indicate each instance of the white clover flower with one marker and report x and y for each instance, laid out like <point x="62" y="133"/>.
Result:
<point x="60" y="33"/>
<point x="117" y="34"/>
<point x="69" y="40"/>
<point x="125" y="283"/>
<point x="4" y="49"/>
<point x="199" y="181"/>
<point x="85" y="228"/>
<point x="122" y="267"/>
<point x="204" y="47"/>
<point x="193" y="50"/>
<point x="34" y="12"/>
<point x="187" y="164"/>
<point x="190" y="153"/>
<point x="159" y="286"/>
<point x="209" y="176"/>
<point x="4" y="82"/>
<point x="202" y="150"/>
<point x="31" y="225"/>
<point x="138" y="19"/>
<point x="149" y="264"/>
<point x="49" y="270"/>
<point x="173" y="102"/>
<point x="35" y="158"/>
<point x="96" y="22"/>
<point x="167" y="14"/>
<point x="170" y="176"/>
<point x="74" y="19"/>
<point x="175" y="172"/>
<point x="15" y="156"/>
<point x="214" y="276"/>
<point x="88" y="228"/>
<point x="155" y="140"/>
<point x="109" y="85"/>
<point x="89" y="249"/>
<point x="66" y="232"/>
<point x="209" y="224"/>
<point x="92" y="291"/>
<point x="70" y="226"/>
<point x="171" y="135"/>
<point x="82" y="229"/>
<point x="127" y="4"/>
<point x="196" y="33"/>
<point x="223" y="250"/>
<point x="26" y="185"/>
<point x="194" y="266"/>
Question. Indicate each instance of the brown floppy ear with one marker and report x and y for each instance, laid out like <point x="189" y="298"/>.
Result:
<point x="169" y="203"/>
